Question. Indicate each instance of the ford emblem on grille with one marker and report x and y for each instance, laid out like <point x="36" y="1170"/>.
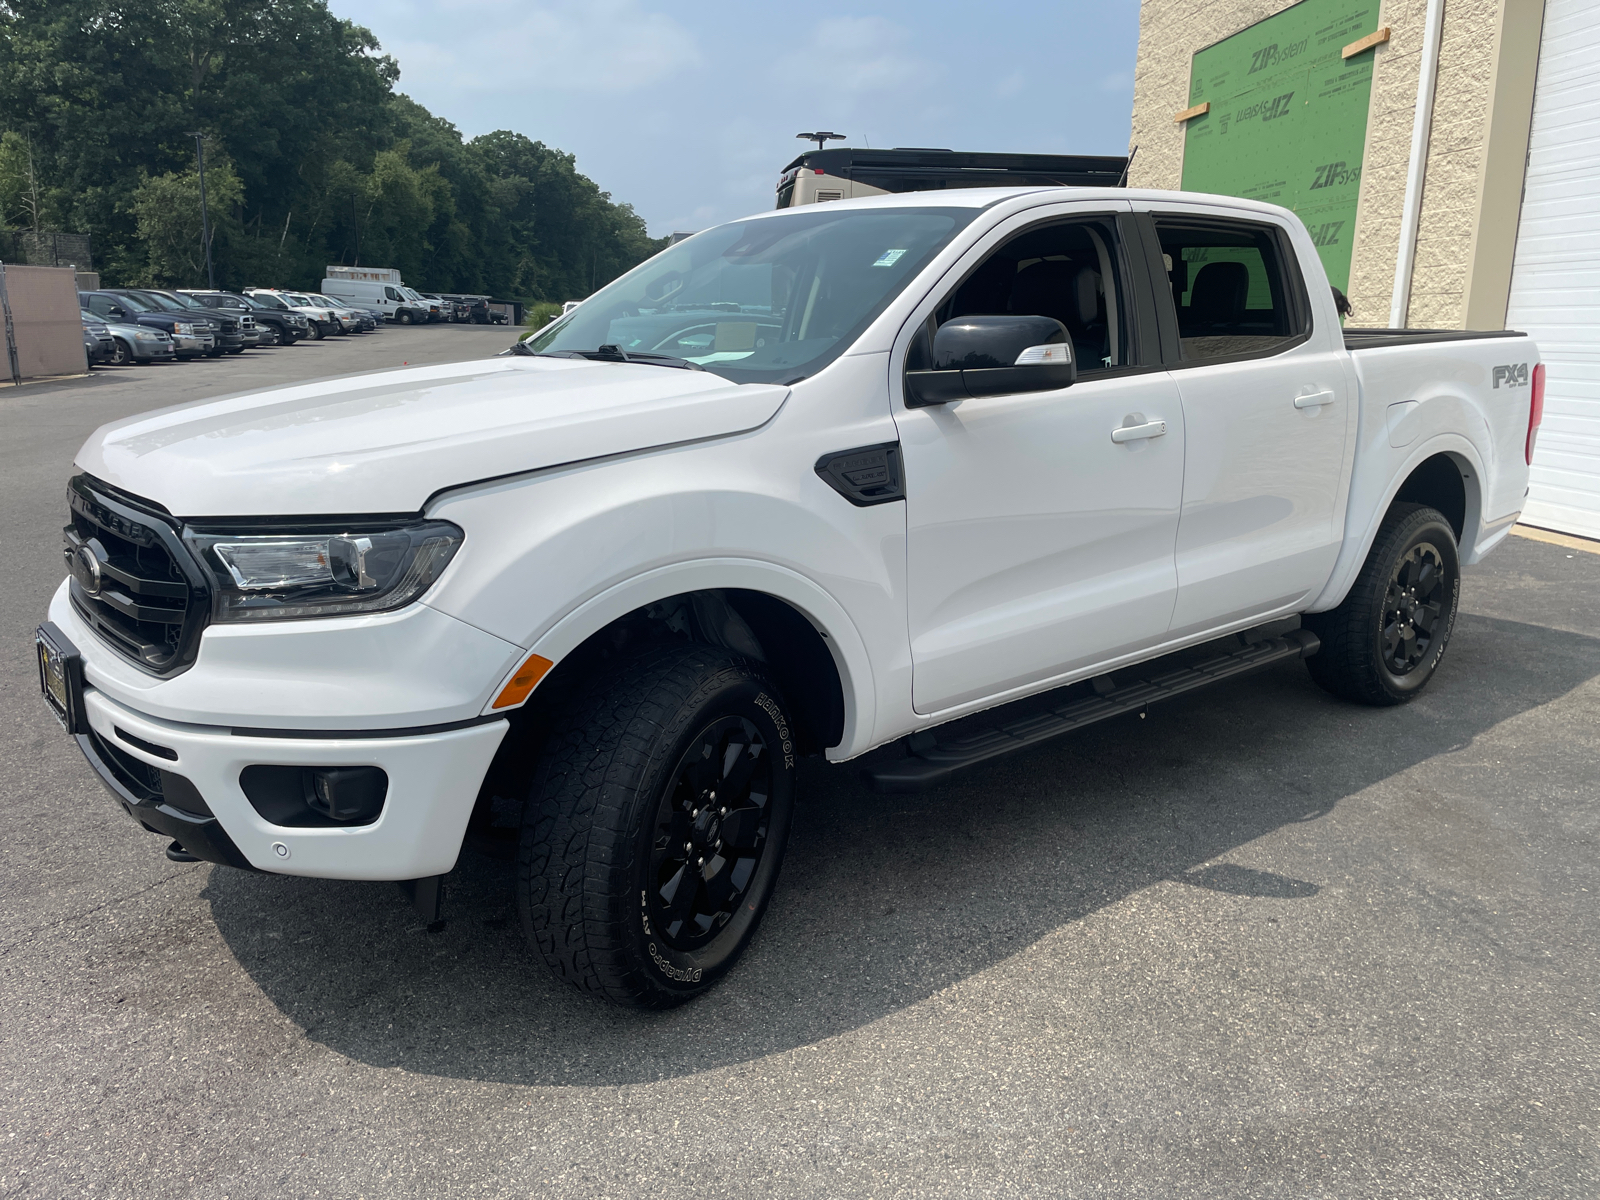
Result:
<point x="84" y="563"/>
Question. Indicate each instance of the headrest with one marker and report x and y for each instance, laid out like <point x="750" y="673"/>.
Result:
<point x="1219" y="293"/>
<point x="1057" y="288"/>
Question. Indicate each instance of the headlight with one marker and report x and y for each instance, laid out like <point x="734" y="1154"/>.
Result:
<point x="183" y="328"/>
<point x="149" y="335"/>
<point x="323" y="573"/>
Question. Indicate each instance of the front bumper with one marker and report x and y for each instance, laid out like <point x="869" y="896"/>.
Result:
<point x="401" y="691"/>
<point x="199" y="801"/>
<point x="193" y="343"/>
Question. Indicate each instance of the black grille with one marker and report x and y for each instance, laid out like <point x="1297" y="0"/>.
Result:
<point x="150" y="600"/>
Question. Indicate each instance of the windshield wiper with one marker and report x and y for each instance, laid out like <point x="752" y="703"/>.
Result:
<point x="607" y="353"/>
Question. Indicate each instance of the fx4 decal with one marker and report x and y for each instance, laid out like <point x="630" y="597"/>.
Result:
<point x="1514" y="375"/>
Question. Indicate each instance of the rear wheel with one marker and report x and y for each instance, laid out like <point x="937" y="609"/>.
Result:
<point x="656" y="825"/>
<point x="1383" y="644"/>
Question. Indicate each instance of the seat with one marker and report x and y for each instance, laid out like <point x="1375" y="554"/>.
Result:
<point x="1216" y="303"/>
<point x="1070" y="293"/>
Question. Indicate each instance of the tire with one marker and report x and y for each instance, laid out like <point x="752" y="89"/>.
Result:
<point x="1384" y="642"/>
<point x="122" y="355"/>
<point x="403" y="316"/>
<point x="618" y="819"/>
<point x="314" y="332"/>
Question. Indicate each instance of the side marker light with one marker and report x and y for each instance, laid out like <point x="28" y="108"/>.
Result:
<point x="524" y="681"/>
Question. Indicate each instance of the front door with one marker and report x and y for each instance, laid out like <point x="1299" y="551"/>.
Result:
<point x="1037" y="545"/>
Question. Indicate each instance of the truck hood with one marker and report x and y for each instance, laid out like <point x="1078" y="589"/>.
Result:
<point x="385" y="442"/>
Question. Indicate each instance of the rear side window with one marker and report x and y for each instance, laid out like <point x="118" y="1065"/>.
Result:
<point x="1234" y="293"/>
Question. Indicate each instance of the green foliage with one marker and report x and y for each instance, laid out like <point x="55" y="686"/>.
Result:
<point x="324" y="161"/>
<point x="20" y="201"/>
<point x="167" y="211"/>
<point x="540" y="314"/>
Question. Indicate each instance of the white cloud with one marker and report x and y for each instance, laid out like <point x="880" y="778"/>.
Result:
<point x="600" y="46"/>
<point x="849" y="56"/>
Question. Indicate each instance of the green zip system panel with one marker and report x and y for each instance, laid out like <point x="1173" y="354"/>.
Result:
<point x="1288" y="119"/>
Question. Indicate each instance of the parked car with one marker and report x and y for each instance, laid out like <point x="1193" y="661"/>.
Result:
<point x="389" y="300"/>
<point x="225" y="329"/>
<point x="190" y="338"/>
<point x="474" y="309"/>
<point x="321" y="321"/>
<point x="133" y="343"/>
<point x="269" y="313"/>
<point x="366" y="319"/>
<point x="956" y="473"/>
<point x="98" y="344"/>
<point x="438" y="310"/>
<point x="248" y="331"/>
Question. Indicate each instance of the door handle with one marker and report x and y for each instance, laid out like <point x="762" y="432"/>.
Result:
<point x="1133" y="433"/>
<point x="1315" y="400"/>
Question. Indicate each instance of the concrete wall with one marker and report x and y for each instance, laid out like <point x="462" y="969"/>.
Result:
<point x="1483" y="106"/>
<point x="48" y="325"/>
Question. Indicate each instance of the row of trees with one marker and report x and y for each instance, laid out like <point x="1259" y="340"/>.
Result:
<point x="312" y="157"/>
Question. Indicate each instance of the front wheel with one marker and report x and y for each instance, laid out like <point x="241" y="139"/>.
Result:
<point x="1384" y="642"/>
<point x="314" y="332"/>
<point x="122" y="355"/>
<point x="655" y="827"/>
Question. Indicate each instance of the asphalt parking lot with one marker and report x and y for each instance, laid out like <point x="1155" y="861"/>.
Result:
<point x="1259" y="944"/>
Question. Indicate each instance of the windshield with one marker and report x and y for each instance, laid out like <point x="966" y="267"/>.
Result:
<point x="762" y="301"/>
<point x="137" y="303"/>
<point x="188" y="302"/>
<point x="268" y="301"/>
<point x="166" y="304"/>
<point x="299" y="300"/>
<point x="410" y="295"/>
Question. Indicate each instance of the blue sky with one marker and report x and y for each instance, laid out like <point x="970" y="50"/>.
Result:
<point x="688" y="111"/>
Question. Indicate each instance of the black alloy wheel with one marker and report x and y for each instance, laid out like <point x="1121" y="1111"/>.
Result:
<point x="1383" y="643"/>
<point x="655" y="825"/>
<point x="1412" y="608"/>
<point x="711" y="831"/>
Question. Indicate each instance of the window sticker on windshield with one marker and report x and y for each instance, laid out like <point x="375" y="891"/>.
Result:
<point x="888" y="258"/>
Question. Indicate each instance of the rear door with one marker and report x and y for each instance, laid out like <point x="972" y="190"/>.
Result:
<point x="1037" y="545"/>
<point x="1268" y="408"/>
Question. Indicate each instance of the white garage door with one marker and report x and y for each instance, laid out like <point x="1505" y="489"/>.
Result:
<point x="1555" y="286"/>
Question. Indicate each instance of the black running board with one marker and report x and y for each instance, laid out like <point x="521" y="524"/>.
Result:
<point x="933" y="759"/>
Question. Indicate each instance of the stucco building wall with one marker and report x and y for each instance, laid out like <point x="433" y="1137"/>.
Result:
<point x="1483" y="100"/>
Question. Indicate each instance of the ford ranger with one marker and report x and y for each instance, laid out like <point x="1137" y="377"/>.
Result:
<point x="935" y="476"/>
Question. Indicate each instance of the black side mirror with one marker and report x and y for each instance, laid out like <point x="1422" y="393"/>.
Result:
<point x="119" y="312"/>
<point x="989" y="356"/>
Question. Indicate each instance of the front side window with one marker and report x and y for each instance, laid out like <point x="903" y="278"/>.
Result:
<point x="1068" y="271"/>
<point x="391" y="294"/>
<point x="1230" y="289"/>
<point x="761" y="301"/>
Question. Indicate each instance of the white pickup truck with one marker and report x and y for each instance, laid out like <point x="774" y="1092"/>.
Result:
<point x="823" y="481"/>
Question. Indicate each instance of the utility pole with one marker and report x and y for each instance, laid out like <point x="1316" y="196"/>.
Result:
<point x="205" y="217"/>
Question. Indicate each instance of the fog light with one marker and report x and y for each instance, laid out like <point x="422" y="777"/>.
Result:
<point x="347" y="794"/>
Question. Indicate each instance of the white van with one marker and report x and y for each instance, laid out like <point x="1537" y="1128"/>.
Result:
<point x="392" y="299"/>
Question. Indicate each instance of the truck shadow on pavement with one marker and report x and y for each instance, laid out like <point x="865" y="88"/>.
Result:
<point x="884" y="900"/>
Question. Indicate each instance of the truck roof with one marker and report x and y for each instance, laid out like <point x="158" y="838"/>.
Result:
<point x="908" y="165"/>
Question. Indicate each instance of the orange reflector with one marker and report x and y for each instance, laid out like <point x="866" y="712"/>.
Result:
<point x="524" y="681"/>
